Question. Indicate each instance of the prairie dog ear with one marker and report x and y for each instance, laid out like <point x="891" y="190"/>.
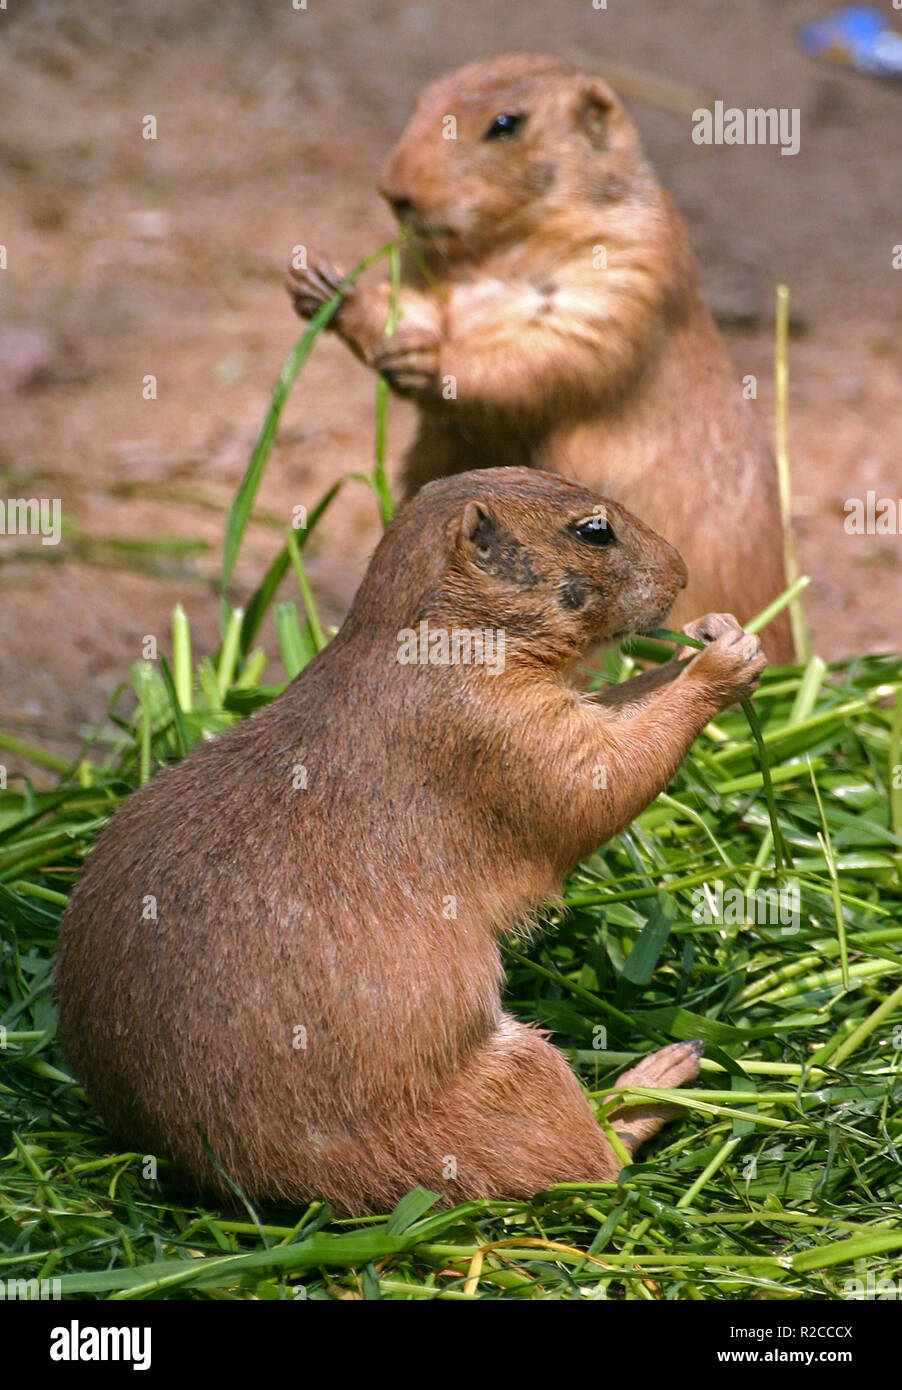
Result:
<point x="476" y="534"/>
<point x="596" y="102"/>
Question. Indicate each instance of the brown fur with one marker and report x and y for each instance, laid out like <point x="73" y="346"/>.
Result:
<point x="326" y="906"/>
<point x="614" y="376"/>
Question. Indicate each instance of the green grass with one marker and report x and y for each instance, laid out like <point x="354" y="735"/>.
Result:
<point x="783" y="1176"/>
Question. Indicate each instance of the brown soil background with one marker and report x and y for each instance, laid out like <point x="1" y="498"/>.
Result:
<point x="129" y="257"/>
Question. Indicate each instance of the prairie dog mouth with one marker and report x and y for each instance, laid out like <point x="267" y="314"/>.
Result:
<point x="640" y="629"/>
<point x="429" y="231"/>
<point x="422" y="228"/>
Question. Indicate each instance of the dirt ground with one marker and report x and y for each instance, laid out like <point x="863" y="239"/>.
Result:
<point x="129" y="257"/>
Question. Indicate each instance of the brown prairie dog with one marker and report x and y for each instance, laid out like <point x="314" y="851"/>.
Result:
<point x="318" y="988"/>
<point x="551" y="317"/>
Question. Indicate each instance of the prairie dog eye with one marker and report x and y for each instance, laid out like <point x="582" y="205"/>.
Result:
<point x="595" y="530"/>
<point x="504" y="126"/>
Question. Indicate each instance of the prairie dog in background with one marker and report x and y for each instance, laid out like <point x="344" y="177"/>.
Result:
<point x="551" y="317"/>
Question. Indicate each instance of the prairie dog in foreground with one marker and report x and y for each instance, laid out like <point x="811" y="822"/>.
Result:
<point x="319" y="991"/>
<point x="551" y="316"/>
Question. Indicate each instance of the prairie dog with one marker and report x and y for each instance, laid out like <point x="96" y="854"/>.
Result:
<point x="317" y="988"/>
<point x="551" y="317"/>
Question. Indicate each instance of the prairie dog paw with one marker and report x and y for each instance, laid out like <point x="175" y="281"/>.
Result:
<point x="409" y="358"/>
<point x="711" y="626"/>
<point x="313" y="285"/>
<point x="731" y="665"/>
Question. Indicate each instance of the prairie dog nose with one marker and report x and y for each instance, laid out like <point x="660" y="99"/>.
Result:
<point x="679" y="564"/>
<point x="402" y="207"/>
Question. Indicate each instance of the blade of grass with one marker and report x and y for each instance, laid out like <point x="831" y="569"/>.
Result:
<point x="800" y="636"/>
<point x="865" y="1029"/>
<point x="146" y="725"/>
<point x="317" y="635"/>
<point x="788" y="596"/>
<point x="228" y="656"/>
<point x="264" y="593"/>
<point x="781" y="853"/>
<point x="181" y="658"/>
<point x="808" y="691"/>
<point x="240" y="510"/>
<point x="380" y="480"/>
<point x="895" y="770"/>
<point x="33" y="753"/>
<point x="295" y="647"/>
<point x="183" y="740"/>
<point x="836" y="890"/>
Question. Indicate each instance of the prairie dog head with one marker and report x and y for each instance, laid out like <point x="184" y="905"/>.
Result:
<point x="550" y="564"/>
<point x="496" y="148"/>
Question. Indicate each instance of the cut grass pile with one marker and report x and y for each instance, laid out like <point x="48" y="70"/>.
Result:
<point x="782" y="1178"/>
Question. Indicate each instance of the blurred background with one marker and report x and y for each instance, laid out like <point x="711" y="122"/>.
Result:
<point x="129" y="257"/>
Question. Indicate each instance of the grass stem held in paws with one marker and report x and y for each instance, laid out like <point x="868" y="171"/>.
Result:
<point x="781" y="853"/>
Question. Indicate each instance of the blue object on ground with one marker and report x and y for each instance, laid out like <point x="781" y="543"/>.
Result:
<point x="858" y="35"/>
